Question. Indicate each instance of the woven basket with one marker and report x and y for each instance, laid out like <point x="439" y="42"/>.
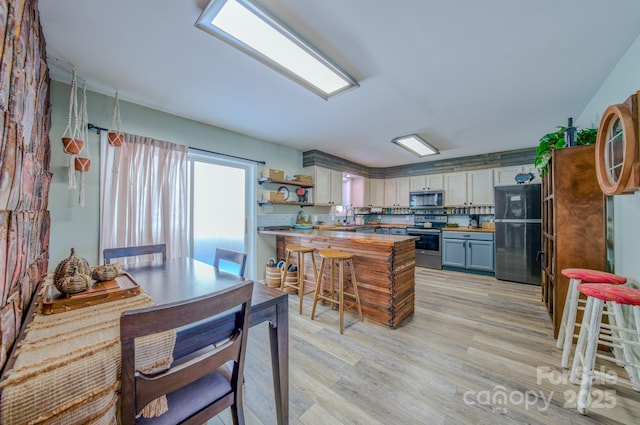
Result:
<point x="73" y="284"/>
<point x="273" y="174"/>
<point x="292" y="278"/>
<point x="105" y="272"/>
<point x="303" y="179"/>
<point x="72" y="275"/>
<point x="272" y="276"/>
<point x="273" y="196"/>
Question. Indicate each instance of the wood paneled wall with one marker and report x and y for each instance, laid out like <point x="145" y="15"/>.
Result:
<point x="24" y="163"/>
<point x="490" y="160"/>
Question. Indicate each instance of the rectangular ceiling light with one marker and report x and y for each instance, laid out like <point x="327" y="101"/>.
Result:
<point x="416" y="145"/>
<point x="250" y="29"/>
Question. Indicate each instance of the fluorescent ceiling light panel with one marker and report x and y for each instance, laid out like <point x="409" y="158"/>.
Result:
<point x="416" y="145"/>
<point x="250" y="29"/>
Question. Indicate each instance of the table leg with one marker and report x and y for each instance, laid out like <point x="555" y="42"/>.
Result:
<point x="279" y="341"/>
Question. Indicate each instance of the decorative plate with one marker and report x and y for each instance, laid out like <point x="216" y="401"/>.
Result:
<point x="285" y="190"/>
<point x="303" y="226"/>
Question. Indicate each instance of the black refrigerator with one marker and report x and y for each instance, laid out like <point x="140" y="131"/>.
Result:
<point x="518" y="233"/>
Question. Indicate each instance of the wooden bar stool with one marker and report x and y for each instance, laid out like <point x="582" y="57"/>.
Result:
<point x="573" y="303"/>
<point x="338" y="258"/>
<point x="300" y="251"/>
<point x="625" y="337"/>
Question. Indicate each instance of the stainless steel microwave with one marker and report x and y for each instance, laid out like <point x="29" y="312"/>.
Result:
<point x="426" y="199"/>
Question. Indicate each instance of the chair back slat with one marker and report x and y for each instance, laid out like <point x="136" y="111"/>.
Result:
<point x="134" y="251"/>
<point x="226" y="255"/>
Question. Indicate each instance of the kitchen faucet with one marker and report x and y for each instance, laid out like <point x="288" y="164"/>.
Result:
<point x="353" y="215"/>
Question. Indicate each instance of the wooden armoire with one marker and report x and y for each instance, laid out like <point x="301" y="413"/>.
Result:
<point x="573" y="223"/>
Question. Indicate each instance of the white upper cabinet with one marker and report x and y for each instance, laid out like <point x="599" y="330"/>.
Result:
<point x="358" y="195"/>
<point x="435" y="182"/>
<point x="428" y="182"/>
<point x="390" y="193"/>
<point x="417" y="183"/>
<point x="469" y="188"/>
<point x="376" y="192"/>
<point x="327" y="186"/>
<point x="480" y="187"/>
<point x="455" y="192"/>
<point x="403" y="186"/>
<point x="336" y="188"/>
<point x="396" y="192"/>
<point x="505" y="176"/>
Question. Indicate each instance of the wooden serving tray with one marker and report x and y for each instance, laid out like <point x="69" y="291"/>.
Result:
<point x="123" y="286"/>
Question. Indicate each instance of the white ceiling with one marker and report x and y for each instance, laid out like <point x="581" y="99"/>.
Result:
<point x="469" y="76"/>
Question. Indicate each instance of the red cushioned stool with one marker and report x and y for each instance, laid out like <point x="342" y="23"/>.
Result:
<point x="625" y="336"/>
<point x="573" y="303"/>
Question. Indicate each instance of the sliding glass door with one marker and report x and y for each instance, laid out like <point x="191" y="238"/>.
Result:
<point x="221" y="198"/>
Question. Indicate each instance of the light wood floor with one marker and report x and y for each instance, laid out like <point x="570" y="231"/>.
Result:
<point x="470" y="339"/>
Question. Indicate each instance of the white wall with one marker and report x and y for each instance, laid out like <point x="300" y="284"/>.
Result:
<point x="73" y="226"/>
<point x="623" y="81"/>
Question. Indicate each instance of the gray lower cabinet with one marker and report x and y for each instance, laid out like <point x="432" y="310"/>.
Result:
<point x="472" y="251"/>
<point x="366" y="230"/>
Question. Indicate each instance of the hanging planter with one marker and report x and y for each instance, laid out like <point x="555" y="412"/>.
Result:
<point x="72" y="141"/>
<point x="72" y="146"/>
<point x="82" y="164"/>
<point x="115" y="135"/>
<point x="115" y="139"/>
<point x="72" y="137"/>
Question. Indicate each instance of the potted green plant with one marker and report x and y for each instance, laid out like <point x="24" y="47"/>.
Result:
<point x="548" y="143"/>
<point x="587" y="136"/>
<point x="556" y="140"/>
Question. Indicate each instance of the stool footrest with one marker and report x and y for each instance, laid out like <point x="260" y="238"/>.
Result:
<point x="290" y="285"/>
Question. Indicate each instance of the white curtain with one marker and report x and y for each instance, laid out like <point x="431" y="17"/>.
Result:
<point x="143" y="194"/>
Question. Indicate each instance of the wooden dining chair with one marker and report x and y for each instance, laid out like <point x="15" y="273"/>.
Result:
<point x="239" y="259"/>
<point x="198" y="385"/>
<point x="134" y="251"/>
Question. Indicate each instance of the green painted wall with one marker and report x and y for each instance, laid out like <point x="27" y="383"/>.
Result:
<point x="74" y="226"/>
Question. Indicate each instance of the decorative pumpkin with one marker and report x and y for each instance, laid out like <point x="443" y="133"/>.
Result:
<point x="105" y="272"/>
<point x="74" y="283"/>
<point x="72" y="275"/>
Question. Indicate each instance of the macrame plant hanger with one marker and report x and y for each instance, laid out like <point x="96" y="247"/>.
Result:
<point x="115" y="137"/>
<point x="82" y="164"/>
<point x="72" y="136"/>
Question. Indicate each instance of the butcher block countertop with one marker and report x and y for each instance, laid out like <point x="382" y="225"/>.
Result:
<point x="353" y="227"/>
<point x="384" y="266"/>
<point x="369" y="238"/>
<point x="467" y="229"/>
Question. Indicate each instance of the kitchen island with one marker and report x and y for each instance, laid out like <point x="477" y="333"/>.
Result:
<point x="384" y="267"/>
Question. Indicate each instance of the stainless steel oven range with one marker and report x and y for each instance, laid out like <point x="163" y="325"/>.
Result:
<point x="429" y="245"/>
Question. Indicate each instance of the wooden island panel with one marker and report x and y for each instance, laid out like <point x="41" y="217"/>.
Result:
<point x="384" y="267"/>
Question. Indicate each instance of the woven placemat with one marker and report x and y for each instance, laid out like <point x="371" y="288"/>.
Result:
<point x="67" y="368"/>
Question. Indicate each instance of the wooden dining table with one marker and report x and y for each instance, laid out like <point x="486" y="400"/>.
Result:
<point x="184" y="278"/>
